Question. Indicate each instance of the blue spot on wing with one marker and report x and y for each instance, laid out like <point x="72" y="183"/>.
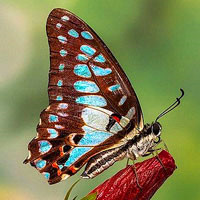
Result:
<point x="98" y="71"/>
<point x="82" y="70"/>
<point x="40" y="164"/>
<point x="122" y="100"/>
<point x="93" y="137"/>
<point x="44" y="146"/>
<point x="75" y="154"/>
<point x="87" y="50"/>
<point x="60" y="83"/>
<point x="61" y="67"/>
<point x="114" y="87"/>
<point x="62" y="39"/>
<point x="53" y="133"/>
<point x="86" y="86"/>
<point x="53" y="118"/>
<point x="73" y="33"/>
<point x="59" y="98"/>
<point x="58" y="25"/>
<point x="63" y="105"/>
<point x="87" y="35"/>
<point x="100" y="58"/>
<point x="63" y="52"/>
<point x="46" y="175"/>
<point x="65" y="18"/>
<point x="60" y="166"/>
<point x="82" y="57"/>
<point x="92" y="100"/>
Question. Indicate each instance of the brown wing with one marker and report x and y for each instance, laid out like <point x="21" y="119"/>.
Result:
<point x="86" y="87"/>
<point x="88" y="56"/>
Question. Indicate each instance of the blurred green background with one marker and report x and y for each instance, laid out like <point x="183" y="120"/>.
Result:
<point x="158" y="45"/>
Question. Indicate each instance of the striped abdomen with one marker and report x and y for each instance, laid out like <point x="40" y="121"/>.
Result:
<point x="103" y="160"/>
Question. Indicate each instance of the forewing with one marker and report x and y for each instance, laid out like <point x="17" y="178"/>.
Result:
<point x="85" y="69"/>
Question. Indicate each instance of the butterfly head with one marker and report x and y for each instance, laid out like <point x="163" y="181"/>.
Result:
<point x="153" y="129"/>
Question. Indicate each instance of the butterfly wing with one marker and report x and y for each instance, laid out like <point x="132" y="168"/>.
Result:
<point x="78" y="54"/>
<point x="86" y="87"/>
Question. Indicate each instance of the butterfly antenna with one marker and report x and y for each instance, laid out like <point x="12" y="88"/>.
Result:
<point x="170" y="108"/>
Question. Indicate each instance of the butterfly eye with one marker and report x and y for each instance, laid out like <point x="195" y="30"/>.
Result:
<point x="156" y="128"/>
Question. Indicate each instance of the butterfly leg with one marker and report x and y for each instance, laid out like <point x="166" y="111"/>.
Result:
<point x="150" y="152"/>
<point x="137" y="180"/>
<point x="158" y="158"/>
<point x="147" y="154"/>
<point x="127" y="162"/>
<point x="166" y="148"/>
<point x="156" y="151"/>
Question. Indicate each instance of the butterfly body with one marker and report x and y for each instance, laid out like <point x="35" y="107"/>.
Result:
<point x="140" y="145"/>
<point x="94" y="116"/>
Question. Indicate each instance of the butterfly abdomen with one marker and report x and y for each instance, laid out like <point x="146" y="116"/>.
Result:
<point x="102" y="161"/>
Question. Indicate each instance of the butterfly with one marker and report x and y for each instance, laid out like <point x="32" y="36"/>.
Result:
<point x="94" y="117"/>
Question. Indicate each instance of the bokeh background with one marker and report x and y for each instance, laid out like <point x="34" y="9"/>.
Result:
<point x="158" y="45"/>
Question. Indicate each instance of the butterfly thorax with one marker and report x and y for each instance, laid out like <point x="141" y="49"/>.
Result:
<point x="144" y="142"/>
